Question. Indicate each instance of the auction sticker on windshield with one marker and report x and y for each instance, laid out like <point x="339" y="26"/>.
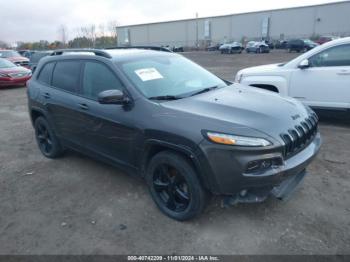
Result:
<point x="147" y="74"/>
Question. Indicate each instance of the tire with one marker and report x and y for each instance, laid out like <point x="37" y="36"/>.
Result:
<point x="175" y="187"/>
<point x="47" y="141"/>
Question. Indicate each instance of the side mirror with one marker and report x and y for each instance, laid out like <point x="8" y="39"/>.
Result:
<point x="304" y="64"/>
<point x="116" y="97"/>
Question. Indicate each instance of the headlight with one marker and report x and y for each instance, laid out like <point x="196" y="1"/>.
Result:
<point x="3" y="75"/>
<point x="237" y="140"/>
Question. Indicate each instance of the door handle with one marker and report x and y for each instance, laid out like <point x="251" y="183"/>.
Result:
<point x="343" y="73"/>
<point x="83" y="106"/>
<point x="46" y="95"/>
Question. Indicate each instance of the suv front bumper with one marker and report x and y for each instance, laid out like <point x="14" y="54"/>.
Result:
<point x="226" y="167"/>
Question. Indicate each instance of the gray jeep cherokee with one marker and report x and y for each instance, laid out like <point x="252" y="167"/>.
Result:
<point x="158" y="115"/>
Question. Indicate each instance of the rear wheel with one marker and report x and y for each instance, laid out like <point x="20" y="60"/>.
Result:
<point x="175" y="187"/>
<point x="48" y="143"/>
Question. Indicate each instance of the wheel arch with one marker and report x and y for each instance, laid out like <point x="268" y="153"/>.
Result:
<point x="153" y="147"/>
<point x="35" y="113"/>
<point x="276" y="84"/>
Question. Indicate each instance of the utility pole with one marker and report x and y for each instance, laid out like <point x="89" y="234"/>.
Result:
<point x="197" y="44"/>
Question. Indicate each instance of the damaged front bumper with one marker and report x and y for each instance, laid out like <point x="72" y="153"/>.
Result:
<point x="282" y="192"/>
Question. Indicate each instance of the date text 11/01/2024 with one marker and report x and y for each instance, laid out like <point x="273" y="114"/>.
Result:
<point x="174" y="258"/>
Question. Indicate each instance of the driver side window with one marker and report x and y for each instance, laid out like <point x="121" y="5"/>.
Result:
<point x="98" y="78"/>
<point x="334" y="56"/>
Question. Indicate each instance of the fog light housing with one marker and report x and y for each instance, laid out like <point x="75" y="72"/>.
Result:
<point x="263" y="164"/>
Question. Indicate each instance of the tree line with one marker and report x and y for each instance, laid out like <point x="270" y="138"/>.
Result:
<point x="91" y="36"/>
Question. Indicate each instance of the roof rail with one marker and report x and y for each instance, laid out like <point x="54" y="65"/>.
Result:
<point x="155" y="48"/>
<point x="82" y="50"/>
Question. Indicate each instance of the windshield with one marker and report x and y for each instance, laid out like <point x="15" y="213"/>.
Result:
<point x="169" y="76"/>
<point x="308" y="41"/>
<point x="6" y="64"/>
<point x="8" y="53"/>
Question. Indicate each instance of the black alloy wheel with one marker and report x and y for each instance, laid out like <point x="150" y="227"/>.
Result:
<point x="171" y="188"/>
<point x="175" y="187"/>
<point x="48" y="143"/>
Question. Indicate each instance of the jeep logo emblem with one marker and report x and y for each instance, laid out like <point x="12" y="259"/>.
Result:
<point x="295" y="117"/>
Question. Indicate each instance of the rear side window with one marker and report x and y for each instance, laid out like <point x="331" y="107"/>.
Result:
<point x="46" y="73"/>
<point x="98" y="78"/>
<point x="66" y="75"/>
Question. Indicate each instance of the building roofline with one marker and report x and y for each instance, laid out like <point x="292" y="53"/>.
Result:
<point x="235" y="14"/>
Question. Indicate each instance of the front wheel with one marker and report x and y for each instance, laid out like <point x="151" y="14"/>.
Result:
<point x="175" y="187"/>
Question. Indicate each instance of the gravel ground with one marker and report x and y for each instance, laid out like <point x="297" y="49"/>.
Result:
<point x="76" y="205"/>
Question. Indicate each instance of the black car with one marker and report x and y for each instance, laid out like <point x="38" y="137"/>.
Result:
<point x="160" y="116"/>
<point x="281" y="44"/>
<point x="301" y="45"/>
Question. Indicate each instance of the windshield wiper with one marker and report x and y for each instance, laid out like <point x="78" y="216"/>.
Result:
<point x="204" y="90"/>
<point x="166" y="97"/>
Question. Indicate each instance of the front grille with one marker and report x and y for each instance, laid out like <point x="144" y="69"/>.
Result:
<point x="22" y="63"/>
<point x="300" y="136"/>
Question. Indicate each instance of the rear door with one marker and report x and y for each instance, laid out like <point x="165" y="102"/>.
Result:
<point x="326" y="83"/>
<point x="61" y="99"/>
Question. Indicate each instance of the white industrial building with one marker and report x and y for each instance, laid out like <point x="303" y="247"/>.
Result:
<point x="308" y="21"/>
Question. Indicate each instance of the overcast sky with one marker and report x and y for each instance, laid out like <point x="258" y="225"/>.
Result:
<point x="33" y="20"/>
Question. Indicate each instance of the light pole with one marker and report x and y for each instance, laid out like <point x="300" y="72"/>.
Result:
<point x="197" y="30"/>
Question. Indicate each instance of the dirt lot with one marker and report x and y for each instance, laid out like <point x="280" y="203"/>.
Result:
<point x="75" y="205"/>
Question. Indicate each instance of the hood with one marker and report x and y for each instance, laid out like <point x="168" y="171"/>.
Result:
<point x="14" y="70"/>
<point x="239" y="106"/>
<point x="18" y="59"/>
<point x="261" y="69"/>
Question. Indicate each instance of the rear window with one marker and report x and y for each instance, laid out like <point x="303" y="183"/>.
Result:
<point x="46" y="73"/>
<point x="66" y="75"/>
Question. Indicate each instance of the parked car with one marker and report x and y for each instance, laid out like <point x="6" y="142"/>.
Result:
<point x="296" y="45"/>
<point x="309" y="44"/>
<point x="26" y="53"/>
<point x="257" y="47"/>
<point x="325" y="39"/>
<point x="301" y="45"/>
<point x="162" y="117"/>
<point x="320" y="77"/>
<point x="213" y="47"/>
<point x="13" y="75"/>
<point x="35" y="58"/>
<point x="178" y="49"/>
<point x="231" y="48"/>
<point x="281" y="44"/>
<point x="270" y="44"/>
<point x="14" y="57"/>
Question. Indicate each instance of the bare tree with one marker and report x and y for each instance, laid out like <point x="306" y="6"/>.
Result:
<point x="112" y="28"/>
<point x="101" y="30"/>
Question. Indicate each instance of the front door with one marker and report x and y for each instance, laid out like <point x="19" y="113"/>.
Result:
<point x="326" y="83"/>
<point x="108" y="128"/>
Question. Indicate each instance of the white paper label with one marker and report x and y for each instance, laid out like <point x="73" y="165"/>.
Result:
<point x="147" y="74"/>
